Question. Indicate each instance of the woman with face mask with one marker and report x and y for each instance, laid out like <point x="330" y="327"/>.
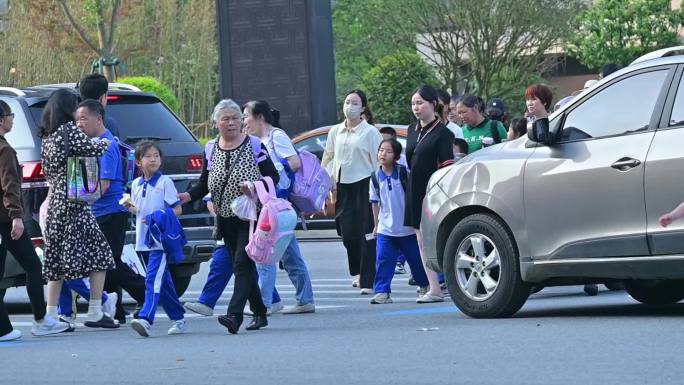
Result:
<point x="351" y="157"/>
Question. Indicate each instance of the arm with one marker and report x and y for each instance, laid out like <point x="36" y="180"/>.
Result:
<point x="329" y="152"/>
<point x="11" y="188"/>
<point x="200" y="189"/>
<point x="178" y="210"/>
<point x="82" y="145"/>
<point x="445" y="151"/>
<point x="672" y="216"/>
<point x="267" y="168"/>
<point x="294" y="162"/>
<point x="374" y="146"/>
<point x="104" y="185"/>
<point x="376" y="216"/>
<point x="282" y="145"/>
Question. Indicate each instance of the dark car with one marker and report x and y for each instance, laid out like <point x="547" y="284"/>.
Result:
<point x="140" y="116"/>
<point x="314" y="142"/>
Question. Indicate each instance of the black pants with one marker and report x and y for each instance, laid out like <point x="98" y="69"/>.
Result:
<point x="353" y="217"/>
<point x="23" y="251"/>
<point x="114" y="227"/>
<point x="246" y="286"/>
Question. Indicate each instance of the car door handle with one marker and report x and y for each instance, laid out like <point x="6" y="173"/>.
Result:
<point x="625" y="164"/>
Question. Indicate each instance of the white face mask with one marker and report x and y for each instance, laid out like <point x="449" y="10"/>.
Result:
<point x="351" y="111"/>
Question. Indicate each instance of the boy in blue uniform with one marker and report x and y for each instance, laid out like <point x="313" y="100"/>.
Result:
<point x="387" y="196"/>
<point x="149" y="193"/>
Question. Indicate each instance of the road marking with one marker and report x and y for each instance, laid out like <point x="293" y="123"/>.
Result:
<point x="426" y="310"/>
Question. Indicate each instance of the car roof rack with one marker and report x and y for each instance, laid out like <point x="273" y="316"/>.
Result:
<point x="112" y="86"/>
<point x="12" y="90"/>
<point x="665" y="52"/>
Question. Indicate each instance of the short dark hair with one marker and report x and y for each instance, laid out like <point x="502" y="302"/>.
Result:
<point x="93" y="86"/>
<point x="472" y="101"/>
<point x="444" y="96"/>
<point x="58" y="110"/>
<point x="389" y="131"/>
<point x="94" y="107"/>
<point x="519" y="127"/>
<point x="396" y="147"/>
<point x="4" y="109"/>
<point x="145" y="146"/>
<point x="462" y="145"/>
<point x="541" y="92"/>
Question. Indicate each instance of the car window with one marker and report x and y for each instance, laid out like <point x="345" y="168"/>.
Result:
<point x="623" y="107"/>
<point x="314" y="145"/>
<point x="677" y="117"/>
<point x="21" y="135"/>
<point x="139" y="117"/>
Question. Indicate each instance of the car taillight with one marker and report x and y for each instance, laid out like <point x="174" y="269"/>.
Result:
<point x="195" y="163"/>
<point x="38" y="242"/>
<point x="113" y="98"/>
<point x="33" y="176"/>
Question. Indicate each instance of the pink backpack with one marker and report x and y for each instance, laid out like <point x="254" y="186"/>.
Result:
<point x="311" y="186"/>
<point x="274" y="227"/>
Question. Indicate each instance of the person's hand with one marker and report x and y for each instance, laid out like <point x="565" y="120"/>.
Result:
<point x="17" y="228"/>
<point x="184" y="197"/>
<point x="375" y="231"/>
<point x="666" y="219"/>
<point x="107" y="142"/>
<point x="211" y="209"/>
<point x="246" y="188"/>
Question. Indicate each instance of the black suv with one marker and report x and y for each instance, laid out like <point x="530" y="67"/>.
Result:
<point x="140" y="116"/>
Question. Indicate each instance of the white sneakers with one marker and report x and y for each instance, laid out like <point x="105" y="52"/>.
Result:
<point x="11" y="336"/>
<point x="367" y="291"/>
<point x="47" y="326"/>
<point x="178" y="327"/>
<point x="381" y="298"/>
<point x="141" y="326"/>
<point x="199" y="308"/>
<point x="276" y="307"/>
<point x="429" y="298"/>
<point x="300" y="309"/>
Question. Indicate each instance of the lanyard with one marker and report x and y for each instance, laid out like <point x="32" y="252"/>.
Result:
<point x="423" y="132"/>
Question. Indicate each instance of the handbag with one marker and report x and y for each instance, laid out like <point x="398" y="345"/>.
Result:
<point x="82" y="176"/>
<point x="216" y="232"/>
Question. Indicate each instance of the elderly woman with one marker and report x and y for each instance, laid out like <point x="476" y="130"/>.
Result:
<point x="351" y="156"/>
<point x="225" y="174"/>
<point x="75" y="247"/>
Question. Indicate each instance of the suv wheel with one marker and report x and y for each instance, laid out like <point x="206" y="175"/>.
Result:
<point x="656" y="292"/>
<point x="482" y="270"/>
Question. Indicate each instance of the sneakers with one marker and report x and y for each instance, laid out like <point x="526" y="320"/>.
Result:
<point x="11" y="336"/>
<point x="429" y="298"/>
<point x="109" y="307"/>
<point x="422" y="291"/>
<point x="178" y="327"/>
<point x="300" y="309"/>
<point x="142" y="327"/>
<point x="400" y="269"/>
<point x="412" y="281"/>
<point x="381" y="298"/>
<point x="367" y="291"/>
<point x="355" y="281"/>
<point x="70" y="320"/>
<point x="199" y="308"/>
<point x="48" y="326"/>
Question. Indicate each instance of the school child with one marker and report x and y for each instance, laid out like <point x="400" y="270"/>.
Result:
<point x="150" y="193"/>
<point x="393" y="238"/>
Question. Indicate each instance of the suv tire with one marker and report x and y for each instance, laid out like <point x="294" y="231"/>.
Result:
<point x="656" y="292"/>
<point x="482" y="270"/>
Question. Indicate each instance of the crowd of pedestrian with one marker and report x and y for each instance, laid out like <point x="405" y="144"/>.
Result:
<point x="378" y="189"/>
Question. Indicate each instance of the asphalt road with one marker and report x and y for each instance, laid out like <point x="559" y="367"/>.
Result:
<point x="561" y="336"/>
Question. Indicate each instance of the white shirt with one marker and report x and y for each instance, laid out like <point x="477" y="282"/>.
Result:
<point x="156" y="194"/>
<point x="455" y="129"/>
<point x="353" y="151"/>
<point x="391" y="218"/>
<point x="279" y="147"/>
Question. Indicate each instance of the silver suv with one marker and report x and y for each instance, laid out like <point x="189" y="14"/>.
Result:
<point x="576" y="203"/>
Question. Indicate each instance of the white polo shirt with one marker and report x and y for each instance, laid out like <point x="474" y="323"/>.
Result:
<point x="391" y="218"/>
<point x="149" y="196"/>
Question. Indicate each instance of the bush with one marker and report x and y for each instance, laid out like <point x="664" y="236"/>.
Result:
<point x="391" y="83"/>
<point x="153" y="86"/>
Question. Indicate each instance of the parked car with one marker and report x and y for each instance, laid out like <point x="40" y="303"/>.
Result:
<point x="141" y="116"/>
<point x="579" y="205"/>
<point x="314" y="142"/>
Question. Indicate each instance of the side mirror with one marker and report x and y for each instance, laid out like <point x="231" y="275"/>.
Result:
<point x="538" y="131"/>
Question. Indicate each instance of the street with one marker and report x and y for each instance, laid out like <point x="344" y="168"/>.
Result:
<point x="561" y="336"/>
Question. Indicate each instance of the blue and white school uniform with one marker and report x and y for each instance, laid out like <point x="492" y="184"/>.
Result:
<point x="158" y="193"/>
<point x="393" y="238"/>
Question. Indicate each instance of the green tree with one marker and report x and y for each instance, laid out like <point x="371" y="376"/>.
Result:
<point x="619" y="31"/>
<point x="153" y="86"/>
<point x="390" y="84"/>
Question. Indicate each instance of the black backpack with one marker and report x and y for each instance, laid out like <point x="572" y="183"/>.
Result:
<point x="494" y="128"/>
<point x="403" y="179"/>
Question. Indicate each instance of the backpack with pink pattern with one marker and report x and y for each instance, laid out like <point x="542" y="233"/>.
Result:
<point x="274" y="227"/>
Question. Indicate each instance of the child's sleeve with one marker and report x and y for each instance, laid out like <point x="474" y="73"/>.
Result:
<point x="170" y="193"/>
<point x="372" y="193"/>
<point x="135" y="193"/>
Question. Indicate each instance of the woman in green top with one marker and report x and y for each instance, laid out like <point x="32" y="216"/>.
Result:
<point x="478" y="129"/>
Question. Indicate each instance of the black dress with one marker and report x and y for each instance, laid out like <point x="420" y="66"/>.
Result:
<point x="427" y="149"/>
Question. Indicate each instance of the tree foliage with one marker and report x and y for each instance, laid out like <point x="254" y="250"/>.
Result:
<point x="391" y="83"/>
<point x="153" y="86"/>
<point x="619" y="31"/>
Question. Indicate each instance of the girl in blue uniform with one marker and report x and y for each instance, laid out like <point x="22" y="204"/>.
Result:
<point x="149" y="193"/>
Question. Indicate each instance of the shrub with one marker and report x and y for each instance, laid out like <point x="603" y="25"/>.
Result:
<point x="153" y="86"/>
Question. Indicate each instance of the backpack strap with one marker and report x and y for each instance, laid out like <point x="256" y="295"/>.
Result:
<point x="260" y="186"/>
<point x="494" y="128"/>
<point x="376" y="185"/>
<point x="259" y="156"/>
<point x="403" y="176"/>
<point x="209" y="153"/>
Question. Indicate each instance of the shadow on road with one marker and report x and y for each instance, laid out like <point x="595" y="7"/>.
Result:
<point x="603" y="310"/>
